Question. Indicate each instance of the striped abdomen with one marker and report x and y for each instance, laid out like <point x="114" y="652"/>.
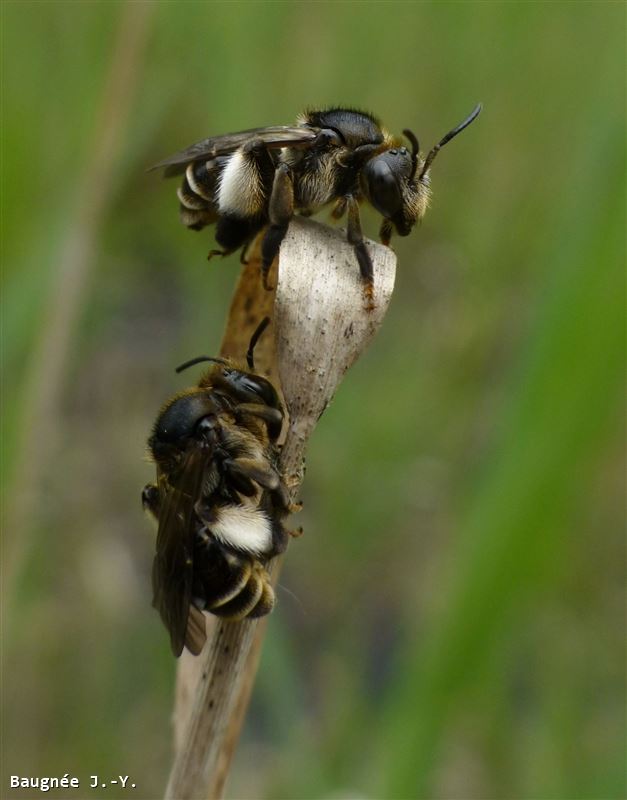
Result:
<point x="198" y="194"/>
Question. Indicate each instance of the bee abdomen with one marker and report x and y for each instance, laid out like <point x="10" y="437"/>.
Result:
<point x="265" y="604"/>
<point x="203" y="179"/>
<point x="256" y="599"/>
<point x="229" y="584"/>
<point x="197" y="193"/>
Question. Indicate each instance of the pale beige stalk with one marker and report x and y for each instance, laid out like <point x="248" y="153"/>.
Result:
<point x="319" y="329"/>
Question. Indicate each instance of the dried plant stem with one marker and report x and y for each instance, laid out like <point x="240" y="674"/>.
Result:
<point x="320" y="329"/>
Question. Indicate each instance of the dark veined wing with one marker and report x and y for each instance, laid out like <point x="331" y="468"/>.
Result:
<point x="172" y="568"/>
<point x="274" y="137"/>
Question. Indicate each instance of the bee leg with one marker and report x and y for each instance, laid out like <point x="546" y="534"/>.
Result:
<point x="339" y="209"/>
<point x="243" y="485"/>
<point x="356" y="238"/>
<point x="233" y="233"/>
<point x="280" y="538"/>
<point x="271" y="416"/>
<point x="263" y="475"/>
<point x="282" y="498"/>
<point x="227" y="251"/>
<point x="243" y="260"/>
<point x="258" y="471"/>
<point x="280" y="211"/>
<point x="216" y="252"/>
<point x="151" y="500"/>
<point x="385" y="232"/>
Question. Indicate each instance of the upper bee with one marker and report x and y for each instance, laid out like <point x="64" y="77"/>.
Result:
<point x="262" y="176"/>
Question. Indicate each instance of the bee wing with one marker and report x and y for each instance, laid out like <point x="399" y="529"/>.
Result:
<point x="273" y="137"/>
<point x="172" y="568"/>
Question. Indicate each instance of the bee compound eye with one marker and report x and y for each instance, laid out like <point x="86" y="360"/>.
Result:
<point x="248" y="387"/>
<point x="180" y="418"/>
<point x="382" y="184"/>
<point x="206" y="426"/>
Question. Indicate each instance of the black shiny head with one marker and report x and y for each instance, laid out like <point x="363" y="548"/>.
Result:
<point x="188" y="416"/>
<point x="384" y="178"/>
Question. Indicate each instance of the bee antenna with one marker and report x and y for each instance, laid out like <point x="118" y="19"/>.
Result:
<point x="253" y="341"/>
<point x="450" y="135"/>
<point x="198" y="360"/>
<point x="415" y="148"/>
<point x="294" y="596"/>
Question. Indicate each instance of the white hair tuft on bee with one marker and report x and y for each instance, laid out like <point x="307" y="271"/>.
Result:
<point x="240" y="191"/>
<point x="243" y="528"/>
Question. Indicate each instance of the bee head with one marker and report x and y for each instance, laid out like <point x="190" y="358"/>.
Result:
<point x="190" y="416"/>
<point x="387" y="183"/>
<point x="396" y="182"/>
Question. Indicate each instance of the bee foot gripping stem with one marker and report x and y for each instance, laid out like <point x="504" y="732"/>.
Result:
<point x="213" y="253"/>
<point x="369" y="303"/>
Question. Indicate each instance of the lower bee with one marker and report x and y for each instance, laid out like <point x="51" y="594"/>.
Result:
<point x="219" y="499"/>
<point x="244" y="181"/>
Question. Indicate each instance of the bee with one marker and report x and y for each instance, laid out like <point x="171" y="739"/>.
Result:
<point x="244" y="181"/>
<point x="219" y="499"/>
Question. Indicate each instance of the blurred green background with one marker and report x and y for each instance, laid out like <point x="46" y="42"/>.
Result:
<point x="452" y="623"/>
